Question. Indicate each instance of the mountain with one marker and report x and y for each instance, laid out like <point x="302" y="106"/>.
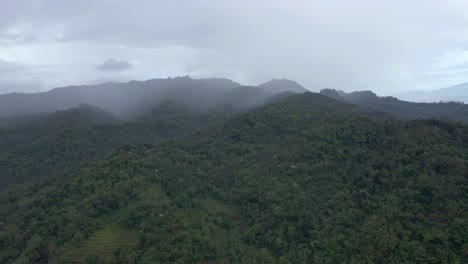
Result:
<point x="283" y="85"/>
<point x="121" y="99"/>
<point x="301" y="179"/>
<point x="155" y="111"/>
<point x="246" y="96"/>
<point x="409" y="110"/>
<point x="457" y="93"/>
<point x="130" y="99"/>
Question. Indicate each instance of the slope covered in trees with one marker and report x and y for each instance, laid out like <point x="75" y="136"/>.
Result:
<point x="64" y="140"/>
<point x="303" y="179"/>
<point x="41" y="144"/>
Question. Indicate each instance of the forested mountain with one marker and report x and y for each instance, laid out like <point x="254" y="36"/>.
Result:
<point x="136" y="97"/>
<point x="303" y="179"/>
<point x="122" y="99"/>
<point x="455" y="111"/>
<point x="41" y="144"/>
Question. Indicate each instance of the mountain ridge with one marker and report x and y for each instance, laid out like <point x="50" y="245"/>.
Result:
<point x="408" y="110"/>
<point x="130" y="98"/>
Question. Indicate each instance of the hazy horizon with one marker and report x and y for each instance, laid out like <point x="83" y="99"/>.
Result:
<point x="388" y="48"/>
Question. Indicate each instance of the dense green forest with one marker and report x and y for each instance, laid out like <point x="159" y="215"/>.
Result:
<point x="35" y="141"/>
<point x="303" y="179"/>
<point x="64" y="140"/>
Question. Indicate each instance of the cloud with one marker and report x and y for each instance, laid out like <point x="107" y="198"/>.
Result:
<point x="8" y="67"/>
<point x="352" y="45"/>
<point x="17" y="77"/>
<point x="114" y="65"/>
<point x="20" y="85"/>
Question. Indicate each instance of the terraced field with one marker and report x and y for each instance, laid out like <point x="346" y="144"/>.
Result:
<point x="102" y="245"/>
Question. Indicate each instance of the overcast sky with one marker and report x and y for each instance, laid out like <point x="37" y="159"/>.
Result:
<point x="385" y="46"/>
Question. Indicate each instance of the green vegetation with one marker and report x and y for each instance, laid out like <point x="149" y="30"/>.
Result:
<point x="65" y="140"/>
<point x="102" y="246"/>
<point x="303" y="180"/>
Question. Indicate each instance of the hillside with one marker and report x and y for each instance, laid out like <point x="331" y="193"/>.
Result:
<point x="305" y="179"/>
<point x="408" y="110"/>
<point x="67" y="139"/>
<point x="43" y="144"/>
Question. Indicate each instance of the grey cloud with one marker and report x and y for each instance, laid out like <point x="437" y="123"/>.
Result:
<point x="138" y="23"/>
<point x="19" y="85"/>
<point x="347" y="45"/>
<point x="8" y="67"/>
<point x="17" y="39"/>
<point x="17" y="77"/>
<point x="114" y="65"/>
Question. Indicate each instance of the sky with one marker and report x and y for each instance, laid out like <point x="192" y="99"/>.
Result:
<point x="385" y="46"/>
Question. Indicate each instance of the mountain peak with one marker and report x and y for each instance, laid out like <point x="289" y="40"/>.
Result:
<point x="356" y="96"/>
<point x="362" y="95"/>
<point x="335" y="94"/>
<point x="282" y="85"/>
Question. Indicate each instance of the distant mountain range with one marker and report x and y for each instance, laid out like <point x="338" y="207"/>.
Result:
<point x="408" y="110"/>
<point x="136" y="97"/>
<point x="457" y="93"/>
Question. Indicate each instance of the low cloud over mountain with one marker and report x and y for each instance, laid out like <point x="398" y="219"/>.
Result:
<point x="114" y="65"/>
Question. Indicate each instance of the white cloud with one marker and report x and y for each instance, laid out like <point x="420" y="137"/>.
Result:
<point x="450" y="59"/>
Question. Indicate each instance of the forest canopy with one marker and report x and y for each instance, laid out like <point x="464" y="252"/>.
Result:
<point x="303" y="179"/>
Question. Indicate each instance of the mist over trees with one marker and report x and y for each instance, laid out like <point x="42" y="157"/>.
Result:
<point x="129" y="99"/>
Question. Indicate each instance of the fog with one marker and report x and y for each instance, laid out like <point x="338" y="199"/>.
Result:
<point x="135" y="98"/>
<point x="389" y="47"/>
